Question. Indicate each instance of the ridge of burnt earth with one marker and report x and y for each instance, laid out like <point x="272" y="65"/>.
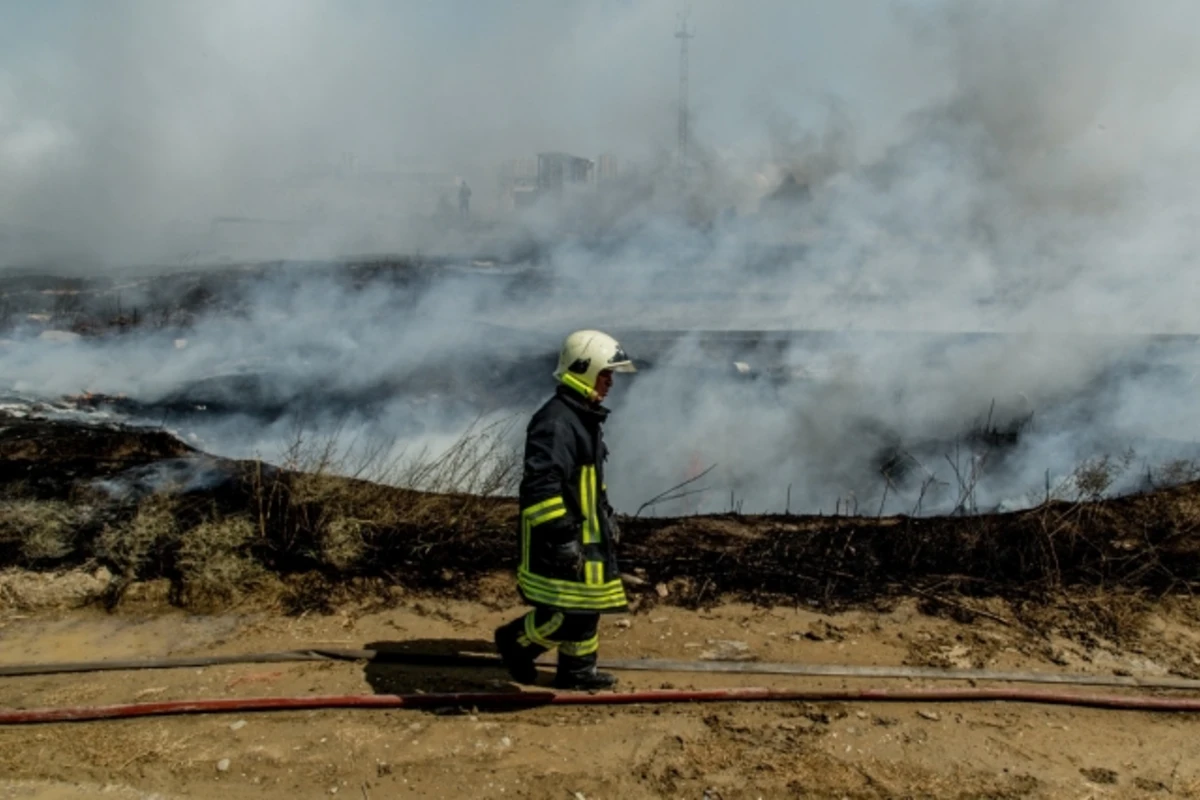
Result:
<point x="33" y="448"/>
<point x="147" y="506"/>
<point x="176" y="299"/>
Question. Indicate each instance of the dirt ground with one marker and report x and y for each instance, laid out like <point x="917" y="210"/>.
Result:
<point x="764" y="750"/>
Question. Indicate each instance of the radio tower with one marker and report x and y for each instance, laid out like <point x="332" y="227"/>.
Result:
<point x="683" y="35"/>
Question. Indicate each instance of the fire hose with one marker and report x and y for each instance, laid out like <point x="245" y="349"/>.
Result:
<point x="531" y="699"/>
<point x="499" y="701"/>
<point x="461" y="659"/>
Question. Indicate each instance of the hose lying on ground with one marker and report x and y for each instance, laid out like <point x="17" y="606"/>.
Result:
<point x="639" y="664"/>
<point x="499" y="701"/>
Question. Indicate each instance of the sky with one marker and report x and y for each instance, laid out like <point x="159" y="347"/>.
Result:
<point x="120" y="118"/>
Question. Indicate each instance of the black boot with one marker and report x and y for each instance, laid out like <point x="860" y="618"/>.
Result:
<point x="517" y="658"/>
<point x="579" y="673"/>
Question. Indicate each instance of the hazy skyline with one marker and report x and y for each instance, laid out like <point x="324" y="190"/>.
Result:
<point x="130" y="115"/>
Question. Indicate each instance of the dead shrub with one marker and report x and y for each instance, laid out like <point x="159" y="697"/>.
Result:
<point x="216" y="565"/>
<point x="342" y="543"/>
<point x="1119" y="616"/>
<point x="349" y="509"/>
<point x="308" y="593"/>
<point x="27" y="590"/>
<point x="1092" y="617"/>
<point x="41" y="530"/>
<point x="484" y="460"/>
<point x="1094" y="477"/>
<point x="1173" y="473"/>
<point x="138" y="546"/>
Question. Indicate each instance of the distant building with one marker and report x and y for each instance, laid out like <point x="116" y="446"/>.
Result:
<point x="557" y="170"/>
<point x="606" y="167"/>
<point x="522" y="181"/>
<point x="518" y="184"/>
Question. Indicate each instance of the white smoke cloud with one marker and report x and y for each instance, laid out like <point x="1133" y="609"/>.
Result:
<point x="1023" y="168"/>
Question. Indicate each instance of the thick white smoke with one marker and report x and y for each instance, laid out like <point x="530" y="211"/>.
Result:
<point x="922" y="169"/>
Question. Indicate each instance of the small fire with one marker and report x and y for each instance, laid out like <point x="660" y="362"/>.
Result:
<point x="89" y="398"/>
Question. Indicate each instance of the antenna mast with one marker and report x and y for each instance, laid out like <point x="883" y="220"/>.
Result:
<point x="683" y="35"/>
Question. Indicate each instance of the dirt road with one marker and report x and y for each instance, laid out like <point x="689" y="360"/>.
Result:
<point x="699" y="751"/>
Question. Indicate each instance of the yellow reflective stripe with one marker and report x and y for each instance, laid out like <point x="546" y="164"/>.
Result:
<point x="578" y="385"/>
<point x="545" y="516"/>
<point x="541" y="635"/>
<point x="594" y="573"/>
<point x="524" y="543"/>
<point x="577" y="649"/>
<point x="587" y="498"/>
<point x="584" y="506"/>
<point x="572" y="587"/>
<point x="546" y="598"/>
<point x="536" y="514"/>
<point x="568" y="594"/>
<point x="594" y="496"/>
<point x="560" y="599"/>
<point x="612" y="591"/>
<point x="543" y="505"/>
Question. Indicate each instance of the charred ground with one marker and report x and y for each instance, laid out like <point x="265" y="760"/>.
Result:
<point x="141" y="505"/>
<point x="144" y="505"/>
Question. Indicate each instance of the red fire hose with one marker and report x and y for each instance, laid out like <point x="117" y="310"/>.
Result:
<point x="519" y="700"/>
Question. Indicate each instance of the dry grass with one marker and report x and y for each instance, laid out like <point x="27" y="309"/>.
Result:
<point x="343" y="542"/>
<point x="345" y="516"/>
<point x="25" y="590"/>
<point x="42" y="531"/>
<point x="343" y="504"/>
<point x="130" y="546"/>
<point x="484" y="460"/>
<point x="318" y="523"/>
<point x="1091" y="615"/>
<point x="216" y="563"/>
<point x="139" y="546"/>
<point x="337" y="507"/>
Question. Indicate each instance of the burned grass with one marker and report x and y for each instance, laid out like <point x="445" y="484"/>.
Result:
<point x="145" y="506"/>
<point x="1146" y="542"/>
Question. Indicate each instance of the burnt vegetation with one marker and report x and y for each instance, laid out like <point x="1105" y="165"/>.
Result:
<point x="145" y="505"/>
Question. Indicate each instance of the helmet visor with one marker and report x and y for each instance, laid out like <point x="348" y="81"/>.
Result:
<point x="620" y="362"/>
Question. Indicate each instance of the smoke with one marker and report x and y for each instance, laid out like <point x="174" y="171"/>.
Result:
<point x="126" y="130"/>
<point x="976" y="210"/>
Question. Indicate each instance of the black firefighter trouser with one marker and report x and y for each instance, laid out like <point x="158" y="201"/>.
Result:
<point x="572" y="633"/>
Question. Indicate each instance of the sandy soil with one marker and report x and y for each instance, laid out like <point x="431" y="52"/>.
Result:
<point x="857" y="750"/>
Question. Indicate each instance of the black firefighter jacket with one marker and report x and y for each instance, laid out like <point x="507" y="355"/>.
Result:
<point x="568" y="556"/>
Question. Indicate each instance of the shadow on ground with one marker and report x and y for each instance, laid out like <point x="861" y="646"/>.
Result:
<point x="439" y="665"/>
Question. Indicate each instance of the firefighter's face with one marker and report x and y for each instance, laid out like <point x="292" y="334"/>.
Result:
<point x="604" y="382"/>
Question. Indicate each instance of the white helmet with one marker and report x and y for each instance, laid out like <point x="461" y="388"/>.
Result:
<point x="584" y="355"/>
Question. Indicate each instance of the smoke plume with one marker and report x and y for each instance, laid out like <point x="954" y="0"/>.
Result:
<point x="916" y="261"/>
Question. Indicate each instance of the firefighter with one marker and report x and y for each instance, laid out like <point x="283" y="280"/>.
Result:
<point x="568" y="570"/>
